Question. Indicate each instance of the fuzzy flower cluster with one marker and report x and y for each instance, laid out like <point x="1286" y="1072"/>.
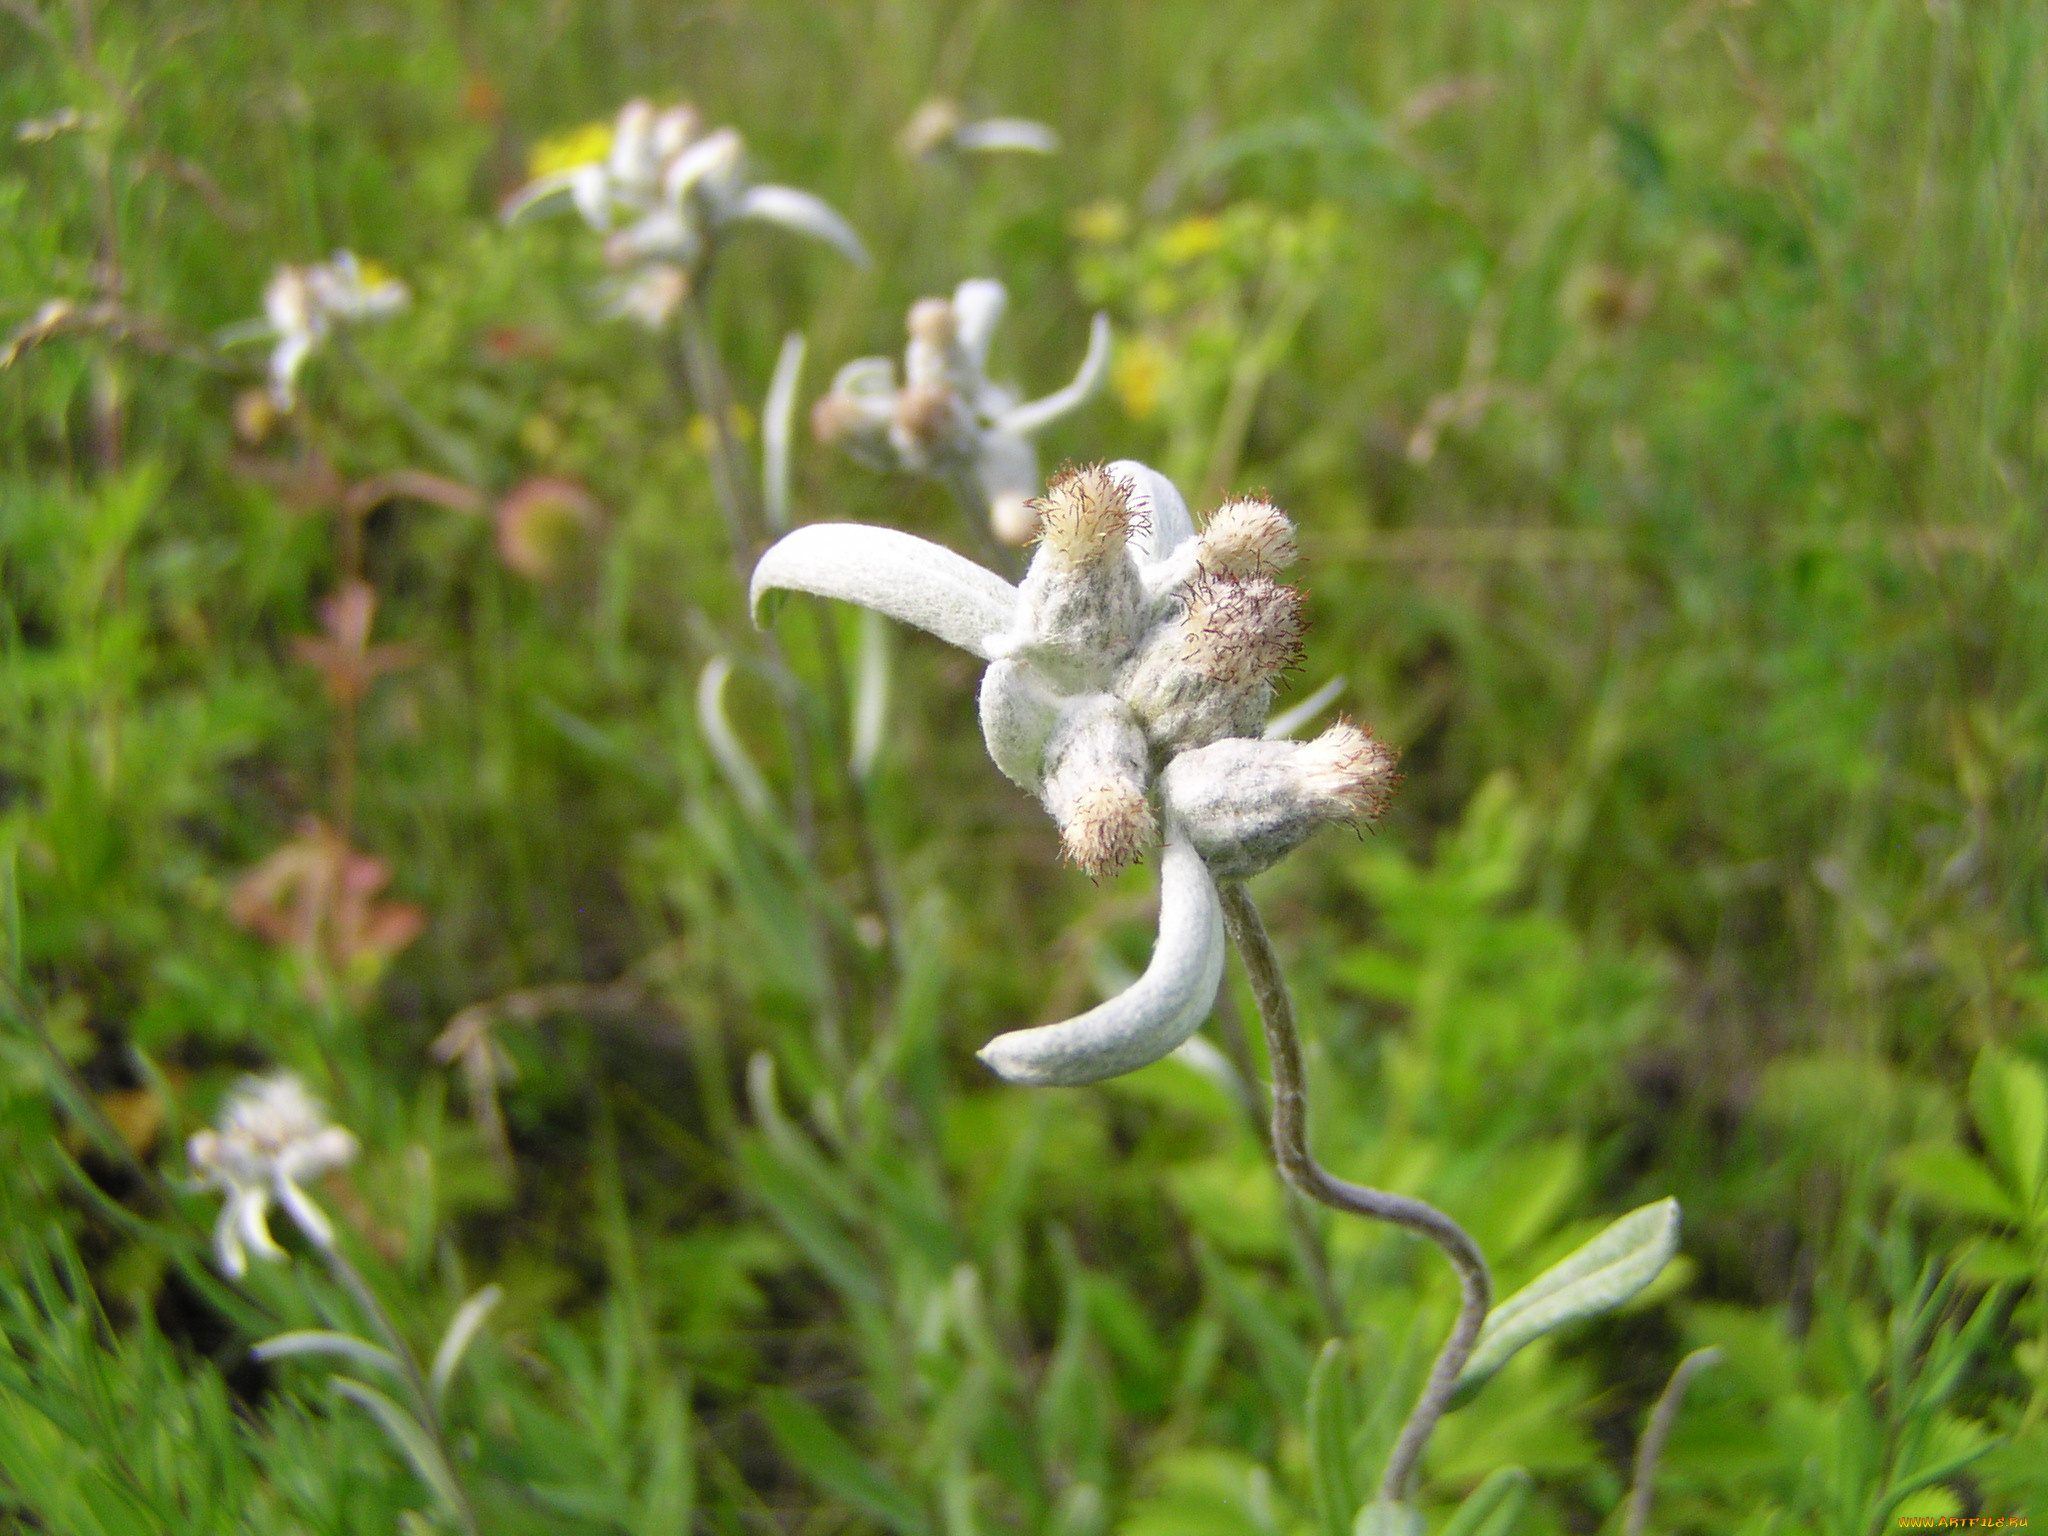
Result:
<point x="270" y="1137"/>
<point x="661" y="188"/>
<point x="302" y="306"/>
<point x="947" y="420"/>
<point x="1129" y="679"/>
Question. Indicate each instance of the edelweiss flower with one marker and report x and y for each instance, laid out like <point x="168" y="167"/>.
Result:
<point x="660" y="190"/>
<point x="1128" y="683"/>
<point x="948" y="421"/>
<point x="302" y="305"/>
<point x="271" y="1135"/>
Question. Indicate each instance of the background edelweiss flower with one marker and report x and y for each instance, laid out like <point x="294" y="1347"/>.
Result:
<point x="1130" y="674"/>
<point x="271" y="1136"/>
<point x="302" y="305"/>
<point x="660" y="189"/>
<point x="948" y="421"/>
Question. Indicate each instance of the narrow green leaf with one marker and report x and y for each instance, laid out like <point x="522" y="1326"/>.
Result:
<point x="411" y="1438"/>
<point x="668" y="1498"/>
<point x="831" y="1461"/>
<point x="1596" y="1278"/>
<point x="1384" y="1517"/>
<point x="10" y="917"/>
<point x="322" y="1341"/>
<point x="1494" y="1507"/>
<point x="1332" y="1415"/>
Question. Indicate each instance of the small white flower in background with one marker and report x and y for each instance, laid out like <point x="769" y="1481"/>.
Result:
<point x="302" y="305"/>
<point x="947" y="420"/>
<point x="939" y="125"/>
<point x="271" y="1136"/>
<point x="1129" y="678"/>
<point x="660" y="189"/>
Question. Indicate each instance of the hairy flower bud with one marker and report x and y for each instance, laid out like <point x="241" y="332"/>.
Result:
<point x="1083" y="589"/>
<point x="1247" y="537"/>
<point x="933" y="322"/>
<point x="1096" y="766"/>
<point x="928" y="415"/>
<point x="1245" y="804"/>
<point x="1208" y="672"/>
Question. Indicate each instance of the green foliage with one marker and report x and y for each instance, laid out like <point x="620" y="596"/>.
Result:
<point x="1658" y="392"/>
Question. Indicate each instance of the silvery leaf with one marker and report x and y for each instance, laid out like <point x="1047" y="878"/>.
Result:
<point x="1005" y="465"/>
<point x="907" y="578"/>
<point x="462" y="1331"/>
<point x="1596" y="1278"/>
<point x="803" y="212"/>
<point x="1017" y="134"/>
<point x="777" y="412"/>
<point x="1167" y="524"/>
<point x="1293" y="718"/>
<point x="1037" y="414"/>
<point x="323" y="1341"/>
<point x="713" y="152"/>
<point x="727" y="750"/>
<point x="977" y="310"/>
<point x="871" y="694"/>
<point x="1151" y="1016"/>
<point x="1019" y="713"/>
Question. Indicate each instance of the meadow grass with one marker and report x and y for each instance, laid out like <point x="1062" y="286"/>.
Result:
<point x="1658" y="391"/>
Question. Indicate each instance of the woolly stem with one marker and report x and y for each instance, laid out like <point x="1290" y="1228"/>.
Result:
<point x="1290" y="1148"/>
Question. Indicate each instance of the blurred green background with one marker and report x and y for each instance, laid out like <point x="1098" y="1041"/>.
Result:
<point x="1658" y="388"/>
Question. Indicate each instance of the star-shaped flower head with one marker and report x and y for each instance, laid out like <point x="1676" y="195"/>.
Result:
<point x="1129" y="678"/>
<point x="661" y="190"/>
<point x="302" y="305"/>
<point x="270" y="1137"/>
<point x="947" y="420"/>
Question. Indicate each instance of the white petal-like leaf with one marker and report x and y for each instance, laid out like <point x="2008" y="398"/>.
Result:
<point x="1018" y="134"/>
<point x="1167" y="524"/>
<point x="870" y="695"/>
<point x="777" y="412"/>
<point x="715" y="151"/>
<point x="978" y="307"/>
<point x="323" y="1341"/>
<point x="804" y="212"/>
<point x="1151" y="1016"/>
<point x="727" y="750"/>
<point x="1037" y="414"/>
<point x="909" y="579"/>
<point x="462" y="1331"/>
<point x="1019" y="713"/>
<point x="1596" y="1278"/>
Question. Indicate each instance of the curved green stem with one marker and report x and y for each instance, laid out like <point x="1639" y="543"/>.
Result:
<point x="1290" y="1148"/>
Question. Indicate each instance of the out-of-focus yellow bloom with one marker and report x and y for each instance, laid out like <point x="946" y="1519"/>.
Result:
<point x="1192" y="238"/>
<point x="1137" y="377"/>
<point x="1101" y="223"/>
<point x="567" y="150"/>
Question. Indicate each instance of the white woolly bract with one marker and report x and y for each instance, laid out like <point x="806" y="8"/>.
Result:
<point x="905" y="577"/>
<point x="1150" y="1017"/>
